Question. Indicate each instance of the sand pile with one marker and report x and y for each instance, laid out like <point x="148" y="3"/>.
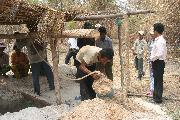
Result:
<point x="33" y="113"/>
<point x="103" y="86"/>
<point x="96" y="109"/>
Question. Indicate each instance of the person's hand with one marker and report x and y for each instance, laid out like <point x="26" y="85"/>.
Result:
<point x="134" y="53"/>
<point x="95" y="76"/>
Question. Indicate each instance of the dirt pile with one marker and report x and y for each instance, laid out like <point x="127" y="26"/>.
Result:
<point x="103" y="86"/>
<point x="96" y="109"/>
<point x="33" y="113"/>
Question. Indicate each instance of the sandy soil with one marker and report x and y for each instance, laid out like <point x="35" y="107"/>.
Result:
<point x="136" y="108"/>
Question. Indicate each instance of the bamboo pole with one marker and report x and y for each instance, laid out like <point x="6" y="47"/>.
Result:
<point x="77" y="33"/>
<point x="100" y="17"/>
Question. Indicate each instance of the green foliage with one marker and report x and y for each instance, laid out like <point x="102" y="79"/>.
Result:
<point x="33" y="1"/>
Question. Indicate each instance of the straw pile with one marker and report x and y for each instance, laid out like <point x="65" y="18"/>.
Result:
<point x="96" y="109"/>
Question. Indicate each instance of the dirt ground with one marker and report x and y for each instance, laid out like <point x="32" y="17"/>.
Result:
<point x="70" y="89"/>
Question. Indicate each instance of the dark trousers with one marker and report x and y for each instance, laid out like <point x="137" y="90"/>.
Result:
<point x="108" y="70"/>
<point x="71" y="53"/>
<point x="158" y="71"/>
<point x="139" y="66"/>
<point x="36" y="69"/>
<point x="86" y="90"/>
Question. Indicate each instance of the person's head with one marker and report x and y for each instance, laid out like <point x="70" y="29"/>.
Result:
<point x="2" y="47"/>
<point x="18" y="50"/>
<point x="33" y="27"/>
<point x="88" y="25"/>
<point x="102" y="30"/>
<point x="106" y="55"/>
<point x="141" y="35"/>
<point x="151" y="32"/>
<point x="158" y="29"/>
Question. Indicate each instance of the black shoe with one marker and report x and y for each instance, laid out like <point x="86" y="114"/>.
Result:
<point x="158" y="101"/>
<point x="37" y="93"/>
<point x="51" y="88"/>
<point x="155" y="101"/>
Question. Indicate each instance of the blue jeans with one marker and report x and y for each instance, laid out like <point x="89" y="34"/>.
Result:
<point x="36" y="69"/>
<point x="151" y="78"/>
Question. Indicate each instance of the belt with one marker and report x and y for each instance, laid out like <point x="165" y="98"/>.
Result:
<point x="73" y="49"/>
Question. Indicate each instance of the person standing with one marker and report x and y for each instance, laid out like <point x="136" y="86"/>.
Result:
<point x="88" y="56"/>
<point x="158" y="56"/>
<point x="139" y="51"/>
<point x="37" y="56"/>
<point x="150" y="45"/>
<point x="105" y="42"/>
<point x="72" y="50"/>
<point x="4" y="60"/>
<point x="86" y="41"/>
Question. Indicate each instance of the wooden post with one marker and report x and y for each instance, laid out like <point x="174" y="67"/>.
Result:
<point x="53" y="45"/>
<point x="127" y="72"/>
<point x="120" y="55"/>
<point x="101" y="17"/>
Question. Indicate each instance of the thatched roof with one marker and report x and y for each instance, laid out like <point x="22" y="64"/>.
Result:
<point x="16" y="12"/>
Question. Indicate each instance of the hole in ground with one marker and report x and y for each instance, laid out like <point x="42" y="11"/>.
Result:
<point x="17" y="105"/>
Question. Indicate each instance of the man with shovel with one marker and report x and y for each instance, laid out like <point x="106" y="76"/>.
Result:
<point x="88" y="56"/>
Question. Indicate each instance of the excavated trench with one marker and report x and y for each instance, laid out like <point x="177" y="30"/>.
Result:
<point x="18" y="103"/>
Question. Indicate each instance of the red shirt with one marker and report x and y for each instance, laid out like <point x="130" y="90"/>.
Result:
<point x="20" y="58"/>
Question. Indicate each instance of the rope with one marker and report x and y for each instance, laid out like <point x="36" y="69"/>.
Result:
<point x="81" y="78"/>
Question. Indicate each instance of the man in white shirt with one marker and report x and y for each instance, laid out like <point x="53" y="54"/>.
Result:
<point x="72" y="51"/>
<point x="88" y="56"/>
<point x="158" y="56"/>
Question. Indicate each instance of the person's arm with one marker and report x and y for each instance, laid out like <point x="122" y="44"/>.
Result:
<point x="87" y="71"/>
<point x="110" y="42"/>
<point x="13" y="61"/>
<point x="134" y="48"/>
<point x="26" y="61"/>
<point x="7" y="59"/>
<point x="84" y="68"/>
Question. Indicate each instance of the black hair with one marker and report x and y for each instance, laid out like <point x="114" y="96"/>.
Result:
<point x="102" y="29"/>
<point x="16" y="33"/>
<point x="32" y="26"/>
<point x="15" y="47"/>
<point x="107" y="52"/>
<point x="159" y="27"/>
<point x="88" y="25"/>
